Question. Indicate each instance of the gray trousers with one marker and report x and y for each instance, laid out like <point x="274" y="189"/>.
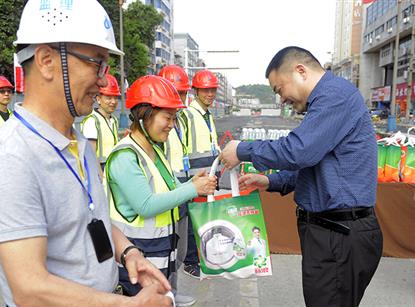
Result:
<point x="181" y="251"/>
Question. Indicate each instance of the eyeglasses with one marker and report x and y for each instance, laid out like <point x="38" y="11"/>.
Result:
<point x="5" y="91"/>
<point x="103" y="66"/>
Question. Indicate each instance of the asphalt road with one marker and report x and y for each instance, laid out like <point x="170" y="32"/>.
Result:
<point x="393" y="285"/>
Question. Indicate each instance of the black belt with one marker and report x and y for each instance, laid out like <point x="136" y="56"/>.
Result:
<point x="329" y="219"/>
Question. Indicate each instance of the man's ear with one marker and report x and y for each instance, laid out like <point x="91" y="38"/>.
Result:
<point x="46" y="60"/>
<point x="302" y="70"/>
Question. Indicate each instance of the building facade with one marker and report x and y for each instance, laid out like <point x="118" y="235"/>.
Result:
<point x="186" y="54"/>
<point x="381" y="26"/>
<point x="163" y="52"/>
<point x="347" y="40"/>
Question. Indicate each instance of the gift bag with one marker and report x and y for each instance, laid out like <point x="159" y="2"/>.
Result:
<point x="230" y="234"/>
<point x="382" y="152"/>
<point x="408" y="159"/>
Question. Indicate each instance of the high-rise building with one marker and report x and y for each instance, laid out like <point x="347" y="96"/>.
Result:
<point x="186" y="54"/>
<point x="378" y="50"/>
<point x="163" y="53"/>
<point x="348" y="32"/>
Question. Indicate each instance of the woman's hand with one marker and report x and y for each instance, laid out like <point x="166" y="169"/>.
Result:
<point x="204" y="184"/>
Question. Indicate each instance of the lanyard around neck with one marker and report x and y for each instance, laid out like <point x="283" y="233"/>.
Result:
<point x="88" y="190"/>
<point x="206" y="121"/>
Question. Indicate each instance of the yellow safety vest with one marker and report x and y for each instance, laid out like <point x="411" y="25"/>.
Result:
<point x="107" y="135"/>
<point x="200" y="139"/>
<point x="2" y="121"/>
<point x="155" y="227"/>
<point x="175" y="148"/>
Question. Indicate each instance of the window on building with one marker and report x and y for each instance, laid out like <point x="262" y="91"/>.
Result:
<point x="379" y="30"/>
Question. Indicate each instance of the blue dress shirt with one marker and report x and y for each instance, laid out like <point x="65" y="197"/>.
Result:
<point x="330" y="159"/>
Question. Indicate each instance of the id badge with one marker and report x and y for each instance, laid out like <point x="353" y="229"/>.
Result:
<point x="186" y="163"/>
<point x="100" y="239"/>
<point x="213" y="149"/>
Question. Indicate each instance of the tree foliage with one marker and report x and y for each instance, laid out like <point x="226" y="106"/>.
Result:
<point x="261" y="91"/>
<point x="140" y="23"/>
<point x="10" y="16"/>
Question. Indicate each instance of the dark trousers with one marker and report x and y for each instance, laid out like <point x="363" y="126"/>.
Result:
<point x="337" y="268"/>
<point x="191" y="256"/>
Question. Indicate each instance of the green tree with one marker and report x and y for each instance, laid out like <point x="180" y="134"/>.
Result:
<point x="113" y="10"/>
<point x="9" y="22"/>
<point x="261" y="91"/>
<point x="140" y="23"/>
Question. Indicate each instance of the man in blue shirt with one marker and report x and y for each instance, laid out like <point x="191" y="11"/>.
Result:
<point x="330" y="161"/>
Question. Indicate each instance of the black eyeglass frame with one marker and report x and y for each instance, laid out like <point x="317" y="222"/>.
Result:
<point x="6" y="90"/>
<point x="103" y="66"/>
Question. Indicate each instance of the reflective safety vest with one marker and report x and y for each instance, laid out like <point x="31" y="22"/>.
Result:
<point x="2" y="121"/>
<point x="107" y="134"/>
<point x="203" y="139"/>
<point x="140" y="230"/>
<point x="176" y="150"/>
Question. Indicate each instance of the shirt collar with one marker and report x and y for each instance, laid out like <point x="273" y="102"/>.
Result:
<point x="319" y="87"/>
<point x="198" y="107"/>
<point x="46" y="130"/>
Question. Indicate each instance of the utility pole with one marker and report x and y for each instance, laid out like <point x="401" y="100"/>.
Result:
<point x="392" y="116"/>
<point x="410" y="72"/>
<point x="123" y="115"/>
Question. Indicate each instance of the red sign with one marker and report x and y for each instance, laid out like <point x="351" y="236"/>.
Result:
<point x="402" y="90"/>
<point x="381" y="94"/>
<point x="18" y="76"/>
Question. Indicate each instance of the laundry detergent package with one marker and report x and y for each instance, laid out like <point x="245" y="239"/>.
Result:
<point x="231" y="236"/>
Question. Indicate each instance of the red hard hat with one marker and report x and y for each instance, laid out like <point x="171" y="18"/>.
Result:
<point x="5" y="83"/>
<point x="176" y="75"/>
<point x="155" y="90"/>
<point x="205" y="79"/>
<point x="112" y="88"/>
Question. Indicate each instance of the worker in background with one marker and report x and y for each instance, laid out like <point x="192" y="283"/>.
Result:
<point x="6" y="94"/>
<point x="100" y="127"/>
<point x="145" y="193"/>
<point x="177" y="153"/>
<point x="202" y="145"/>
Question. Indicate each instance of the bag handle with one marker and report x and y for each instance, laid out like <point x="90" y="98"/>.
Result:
<point x="234" y="180"/>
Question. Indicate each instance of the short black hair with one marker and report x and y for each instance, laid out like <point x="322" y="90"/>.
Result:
<point x="290" y="53"/>
<point x="255" y="228"/>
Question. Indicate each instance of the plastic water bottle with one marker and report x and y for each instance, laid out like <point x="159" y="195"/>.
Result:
<point x="244" y="134"/>
<point x="263" y="134"/>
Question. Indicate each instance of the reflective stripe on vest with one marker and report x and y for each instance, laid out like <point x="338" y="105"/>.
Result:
<point x="107" y="136"/>
<point x="145" y="228"/>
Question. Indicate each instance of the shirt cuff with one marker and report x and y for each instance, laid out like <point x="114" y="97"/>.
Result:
<point x="243" y="151"/>
<point x="275" y="183"/>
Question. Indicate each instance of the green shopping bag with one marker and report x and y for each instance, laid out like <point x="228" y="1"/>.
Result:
<point x="231" y="235"/>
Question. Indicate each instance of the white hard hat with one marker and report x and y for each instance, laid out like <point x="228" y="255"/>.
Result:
<point x="78" y="21"/>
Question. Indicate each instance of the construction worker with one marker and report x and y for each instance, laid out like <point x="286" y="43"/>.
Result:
<point x="202" y="144"/>
<point x="6" y="94"/>
<point x="177" y="153"/>
<point x="100" y="127"/>
<point x="57" y="244"/>
<point x="145" y="193"/>
<point x="176" y="147"/>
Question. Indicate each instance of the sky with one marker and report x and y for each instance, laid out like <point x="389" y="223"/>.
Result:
<point x="258" y="29"/>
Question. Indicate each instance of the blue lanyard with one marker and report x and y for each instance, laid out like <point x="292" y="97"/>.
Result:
<point x="179" y="133"/>
<point x="88" y="191"/>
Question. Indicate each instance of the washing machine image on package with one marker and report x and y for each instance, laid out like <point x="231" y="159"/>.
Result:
<point x="221" y="244"/>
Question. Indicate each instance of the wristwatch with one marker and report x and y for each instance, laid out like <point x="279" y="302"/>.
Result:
<point x="124" y="253"/>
